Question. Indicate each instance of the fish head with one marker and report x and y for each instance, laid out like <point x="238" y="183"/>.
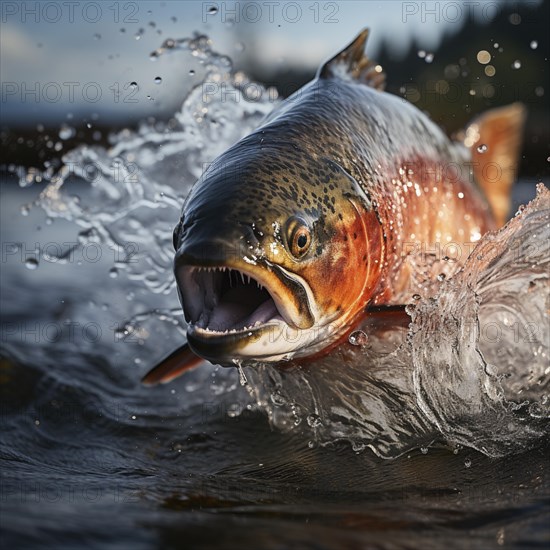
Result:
<point x="276" y="256"/>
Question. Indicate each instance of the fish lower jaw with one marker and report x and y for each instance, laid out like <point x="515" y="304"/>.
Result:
<point x="259" y="342"/>
<point x="201" y="327"/>
<point x="271" y="342"/>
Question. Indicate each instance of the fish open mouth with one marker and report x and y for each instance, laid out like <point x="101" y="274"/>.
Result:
<point x="241" y="310"/>
<point x="223" y="300"/>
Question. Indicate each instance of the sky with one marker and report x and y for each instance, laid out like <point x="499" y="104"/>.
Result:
<point x="76" y="60"/>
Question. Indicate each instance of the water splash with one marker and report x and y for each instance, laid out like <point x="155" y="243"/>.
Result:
<point x="447" y="378"/>
<point x="137" y="186"/>
<point x="471" y="370"/>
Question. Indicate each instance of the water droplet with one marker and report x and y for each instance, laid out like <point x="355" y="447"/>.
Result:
<point x="277" y="398"/>
<point x="520" y="210"/>
<point x="242" y="376"/>
<point x="516" y="64"/>
<point x="314" y="420"/>
<point x="416" y="296"/>
<point x="24" y="210"/>
<point x="358" y="338"/>
<point x="483" y="57"/>
<point x="515" y="18"/>
<point x="88" y="236"/>
<point x="113" y="273"/>
<point x="174" y="19"/>
<point x="534" y="44"/>
<point x="191" y="72"/>
<point x="31" y="263"/>
<point x="441" y="277"/>
<point x="468" y="462"/>
<point x="133" y="85"/>
<point x="239" y="46"/>
<point x="158" y="80"/>
<point x="429" y="57"/>
<point x="213" y="10"/>
<point x="88" y="125"/>
<point x="421" y="54"/>
<point x="424" y="450"/>
<point x="97" y="36"/>
<point x="66" y="132"/>
<point x="482" y="148"/>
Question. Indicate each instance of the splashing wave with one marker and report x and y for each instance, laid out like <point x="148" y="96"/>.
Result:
<point x="472" y="368"/>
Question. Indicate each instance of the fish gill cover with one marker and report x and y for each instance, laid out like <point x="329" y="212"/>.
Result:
<point x="472" y="368"/>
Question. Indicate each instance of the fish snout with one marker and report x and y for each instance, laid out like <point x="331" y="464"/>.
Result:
<point x="216" y="246"/>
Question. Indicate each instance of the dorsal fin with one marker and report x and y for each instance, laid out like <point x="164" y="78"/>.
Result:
<point x="495" y="141"/>
<point x="352" y="64"/>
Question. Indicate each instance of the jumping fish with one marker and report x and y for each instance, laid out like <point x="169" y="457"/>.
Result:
<point x="299" y="230"/>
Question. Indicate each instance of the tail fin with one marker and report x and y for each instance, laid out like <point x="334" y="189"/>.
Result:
<point x="495" y="141"/>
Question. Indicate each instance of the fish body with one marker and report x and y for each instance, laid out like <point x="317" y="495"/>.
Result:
<point x="330" y="207"/>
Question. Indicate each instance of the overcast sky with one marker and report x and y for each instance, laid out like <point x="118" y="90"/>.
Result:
<point x="61" y="58"/>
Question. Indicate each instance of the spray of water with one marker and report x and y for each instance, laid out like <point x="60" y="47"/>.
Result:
<point x="472" y="368"/>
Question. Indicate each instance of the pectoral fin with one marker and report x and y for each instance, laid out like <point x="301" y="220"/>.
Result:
<point x="178" y="362"/>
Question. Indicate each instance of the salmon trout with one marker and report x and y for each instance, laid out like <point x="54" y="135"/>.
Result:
<point x="292" y="234"/>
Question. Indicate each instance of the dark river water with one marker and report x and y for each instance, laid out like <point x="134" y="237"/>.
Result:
<point x="380" y="446"/>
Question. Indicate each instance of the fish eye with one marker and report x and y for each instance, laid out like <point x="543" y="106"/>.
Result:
<point x="298" y="237"/>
